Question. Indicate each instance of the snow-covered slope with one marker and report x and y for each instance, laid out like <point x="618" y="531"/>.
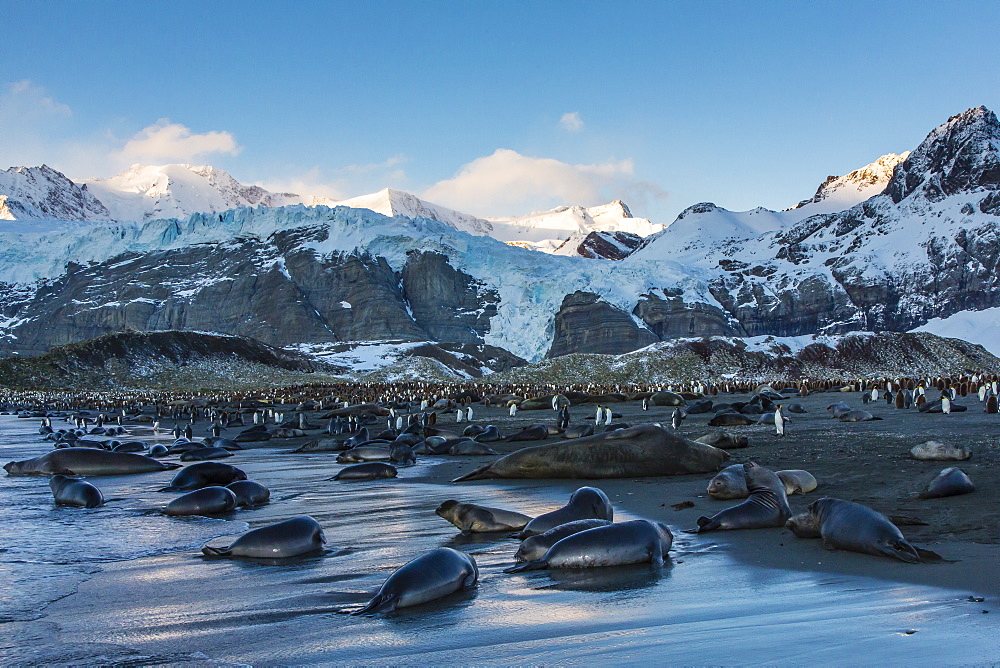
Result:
<point x="144" y="192"/>
<point x="43" y="194"/>
<point x="391" y="202"/>
<point x="838" y="193"/>
<point x="982" y="327"/>
<point x="547" y="230"/>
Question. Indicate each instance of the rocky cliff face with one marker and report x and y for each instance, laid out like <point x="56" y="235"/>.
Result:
<point x="587" y="324"/>
<point x="42" y="193"/>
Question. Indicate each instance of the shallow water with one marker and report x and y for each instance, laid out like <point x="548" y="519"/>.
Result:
<point x="143" y="590"/>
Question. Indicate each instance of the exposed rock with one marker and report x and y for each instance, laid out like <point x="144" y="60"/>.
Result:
<point x="585" y="323"/>
<point x="672" y="317"/>
<point x="446" y="303"/>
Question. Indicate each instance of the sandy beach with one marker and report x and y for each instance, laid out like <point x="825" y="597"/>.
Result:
<point x="737" y="597"/>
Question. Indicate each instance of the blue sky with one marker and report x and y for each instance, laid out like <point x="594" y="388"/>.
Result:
<point x="494" y="107"/>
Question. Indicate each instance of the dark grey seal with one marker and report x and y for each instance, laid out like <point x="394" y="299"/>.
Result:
<point x="74" y="492"/>
<point x="367" y="471"/>
<point x="584" y="504"/>
<point x="87" y="461"/>
<point x="766" y="507"/>
<point x="205" y="454"/>
<point x="205" y="501"/>
<point x="724" y="440"/>
<point x="850" y="526"/>
<point x="472" y="518"/>
<point x="204" y="474"/>
<point x="429" y="577"/>
<point x="634" y="542"/>
<point x="364" y="453"/>
<point x="249" y="494"/>
<point x="951" y="481"/>
<point x="534" y="547"/>
<point x="291" y="538"/>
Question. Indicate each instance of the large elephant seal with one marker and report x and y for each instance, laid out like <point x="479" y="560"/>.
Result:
<point x="766" y="507"/>
<point x="87" y="461"/>
<point x="205" y="501"/>
<point x="643" y="450"/>
<point x="850" y="526"/>
<point x="665" y="398"/>
<point x="471" y="518"/>
<point x="204" y="474"/>
<point x="249" y="494"/>
<point x="584" y="504"/>
<point x="634" y="542"/>
<point x="291" y="538"/>
<point x="940" y="452"/>
<point x="951" y="481"/>
<point x="724" y="440"/>
<point x="534" y="547"/>
<point x="431" y="576"/>
<point x="366" y="471"/>
<point x="803" y="525"/>
<point x="73" y="492"/>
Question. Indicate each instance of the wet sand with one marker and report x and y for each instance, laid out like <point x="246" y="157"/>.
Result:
<point x="739" y="597"/>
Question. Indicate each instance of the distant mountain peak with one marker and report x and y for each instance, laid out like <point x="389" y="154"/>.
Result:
<point x="44" y="193"/>
<point x="867" y="181"/>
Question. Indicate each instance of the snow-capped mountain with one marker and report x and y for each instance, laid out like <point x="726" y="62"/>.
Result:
<point x="842" y="192"/>
<point x="144" y="192"/>
<point x="391" y="202"/>
<point x="548" y="230"/>
<point x="42" y="193"/>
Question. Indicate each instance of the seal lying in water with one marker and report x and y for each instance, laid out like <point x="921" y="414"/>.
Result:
<point x="249" y="494"/>
<point x="534" y="547"/>
<point x="87" y="461"/>
<point x="766" y="507"/>
<point x="850" y="526"/>
<point x="634" y="542"/>
<point x="431" y="576"/>
<point x="204" y="474"/>
<point x="73" y="492"/>
<point x="366" y="471"/>
<point x="204" y="501"/>
<point x="291" y="538"/>
<point x="471" y="518"/>
<point x="585" y="503"/>
<point x="643" y="450"/>
<point x="951" y="481"/>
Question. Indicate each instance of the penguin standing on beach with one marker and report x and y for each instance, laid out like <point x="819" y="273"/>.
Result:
<point x="563" y="421"/>
<point x="468" y="414"/>
<point x="513" y="410"/>
<point x="779" y="422"/>
<point x="600" y="414"/>
<point x="675" y="419"/>
<point x="945" y="403"/>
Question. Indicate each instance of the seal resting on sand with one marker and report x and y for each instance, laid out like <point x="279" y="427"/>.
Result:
<point x="585" y="503"/>
<point x="87" y="461"/>
<point x="635" y="542"/>
<point x="643" y="450"/>
<point x="766" y="507"/>
<point x="472" y="518"/>
<point x="951" y="481"/>
<point x="291" y="538"/>
<point x="845" y="525"/>
<point x="438" y="573"/>
<point x="534" y="547"/>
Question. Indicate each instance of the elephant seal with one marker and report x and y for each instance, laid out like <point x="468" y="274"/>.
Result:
<point x="666" y="399"/>
<point x="729" y="483"/>
<point x="430" y="576"/>
<point x="489" y="435"/>
<point x="536" y="432"/>
<point x="291" y="538"/>
<point x="130" y="446"/>
<point x="471" y="518"/>
<point x="324" y="445"/>
<point x="357" y="410"/>
<point x="936" y="406"/>
<point x="579" y="431"/>
<point x="158" y="450"/>
<point x="205" y="501"/>
<point x="857" y="415"/>
<point x="724" y="440"/>
<point x="249" y="494"/>
<point x="87" y="461"/>
<point x="584" y="504"/>
<point x="951" y="481"/>
<point x="643" y="450"/>
<point x="766" y="507"/>
<point x="366" y="471"/>
<point x="364" y="453"/>
<point x="471" y="448"/>
<point x="940" y="452"/>
<point x="730" y="420"/>
<point x="851" y="526"/>
<point x="205" y="454"/>
<point x="534" y="547"/>
<point x="634" y="542"/>
<point x="74" y="492"/>
<point x="838" y="409"/>
<point x="204" y="474"/>
<point x="797" y="481"/>
<point x="401" y="453"/>
<point x="803" y="525"/>
<point x="795" y="408"/>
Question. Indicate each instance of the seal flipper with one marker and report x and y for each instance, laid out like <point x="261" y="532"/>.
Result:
<point x="476" y="474"/>
<point x="929" y="557"/>
<point x="704" y="524"/>
<point x="536" y="565"/>
<point x="216" y="551"/>
<point x="901" y="550"/>
<point x="381" y="603"/>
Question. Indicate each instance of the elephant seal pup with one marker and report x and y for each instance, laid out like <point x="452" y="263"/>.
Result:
<point x="730" y="420"/>
<point x="87" y="461"/>
<point x="489" y="435"/>
<point x="401" y="453"/>
<point x="249" y="494"/>
<point x="471" y="448"/>
<point x="538" y="432"/>
<point x="857" y="415"/>
<point x="534" y="547"/>
<point x="939" y="452"/>
<point x="158" y="450"/>
<point x="579" y="431"/>
<point x="291" y="538"/>
<point x="205" y="454"/>
<point x="797" y="481"/>
<point x="766" y="507"/>
<point x="803" y="525"/>
<point x="430" y="576"/>
<point x="205" y="501"/>
<point x="951" y="481"/>
<point x="204" y="474"/>
<point x="838" y="409"/>
<point x="324" y="445"/>
<point x="634" y="542"/>
<point x="73" y="492"/>
<point x="367" y="471"/>
<point x="364" y="453"/>
<point x="850" y="526"/>
<point x="584" y="504"/>
<point x="471" y="518"/>
<point x="724" y="440"/>
<point x="643" y="450"/>
<point x="729" y="483"/>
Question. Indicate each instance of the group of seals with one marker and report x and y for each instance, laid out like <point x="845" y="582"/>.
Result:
<point x="767" y="505"/>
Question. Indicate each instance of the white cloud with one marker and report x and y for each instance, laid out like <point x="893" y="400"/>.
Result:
<point x="508" y="183"/>
<point x="571" y="122"/>
<point x="172" y="142"/>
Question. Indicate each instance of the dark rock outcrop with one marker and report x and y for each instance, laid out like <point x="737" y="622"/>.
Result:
<point x="605" y="245"/>
<point x="445" y="302"/>
<point x="586" y="323"/>
<point x="674" y="318"/>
